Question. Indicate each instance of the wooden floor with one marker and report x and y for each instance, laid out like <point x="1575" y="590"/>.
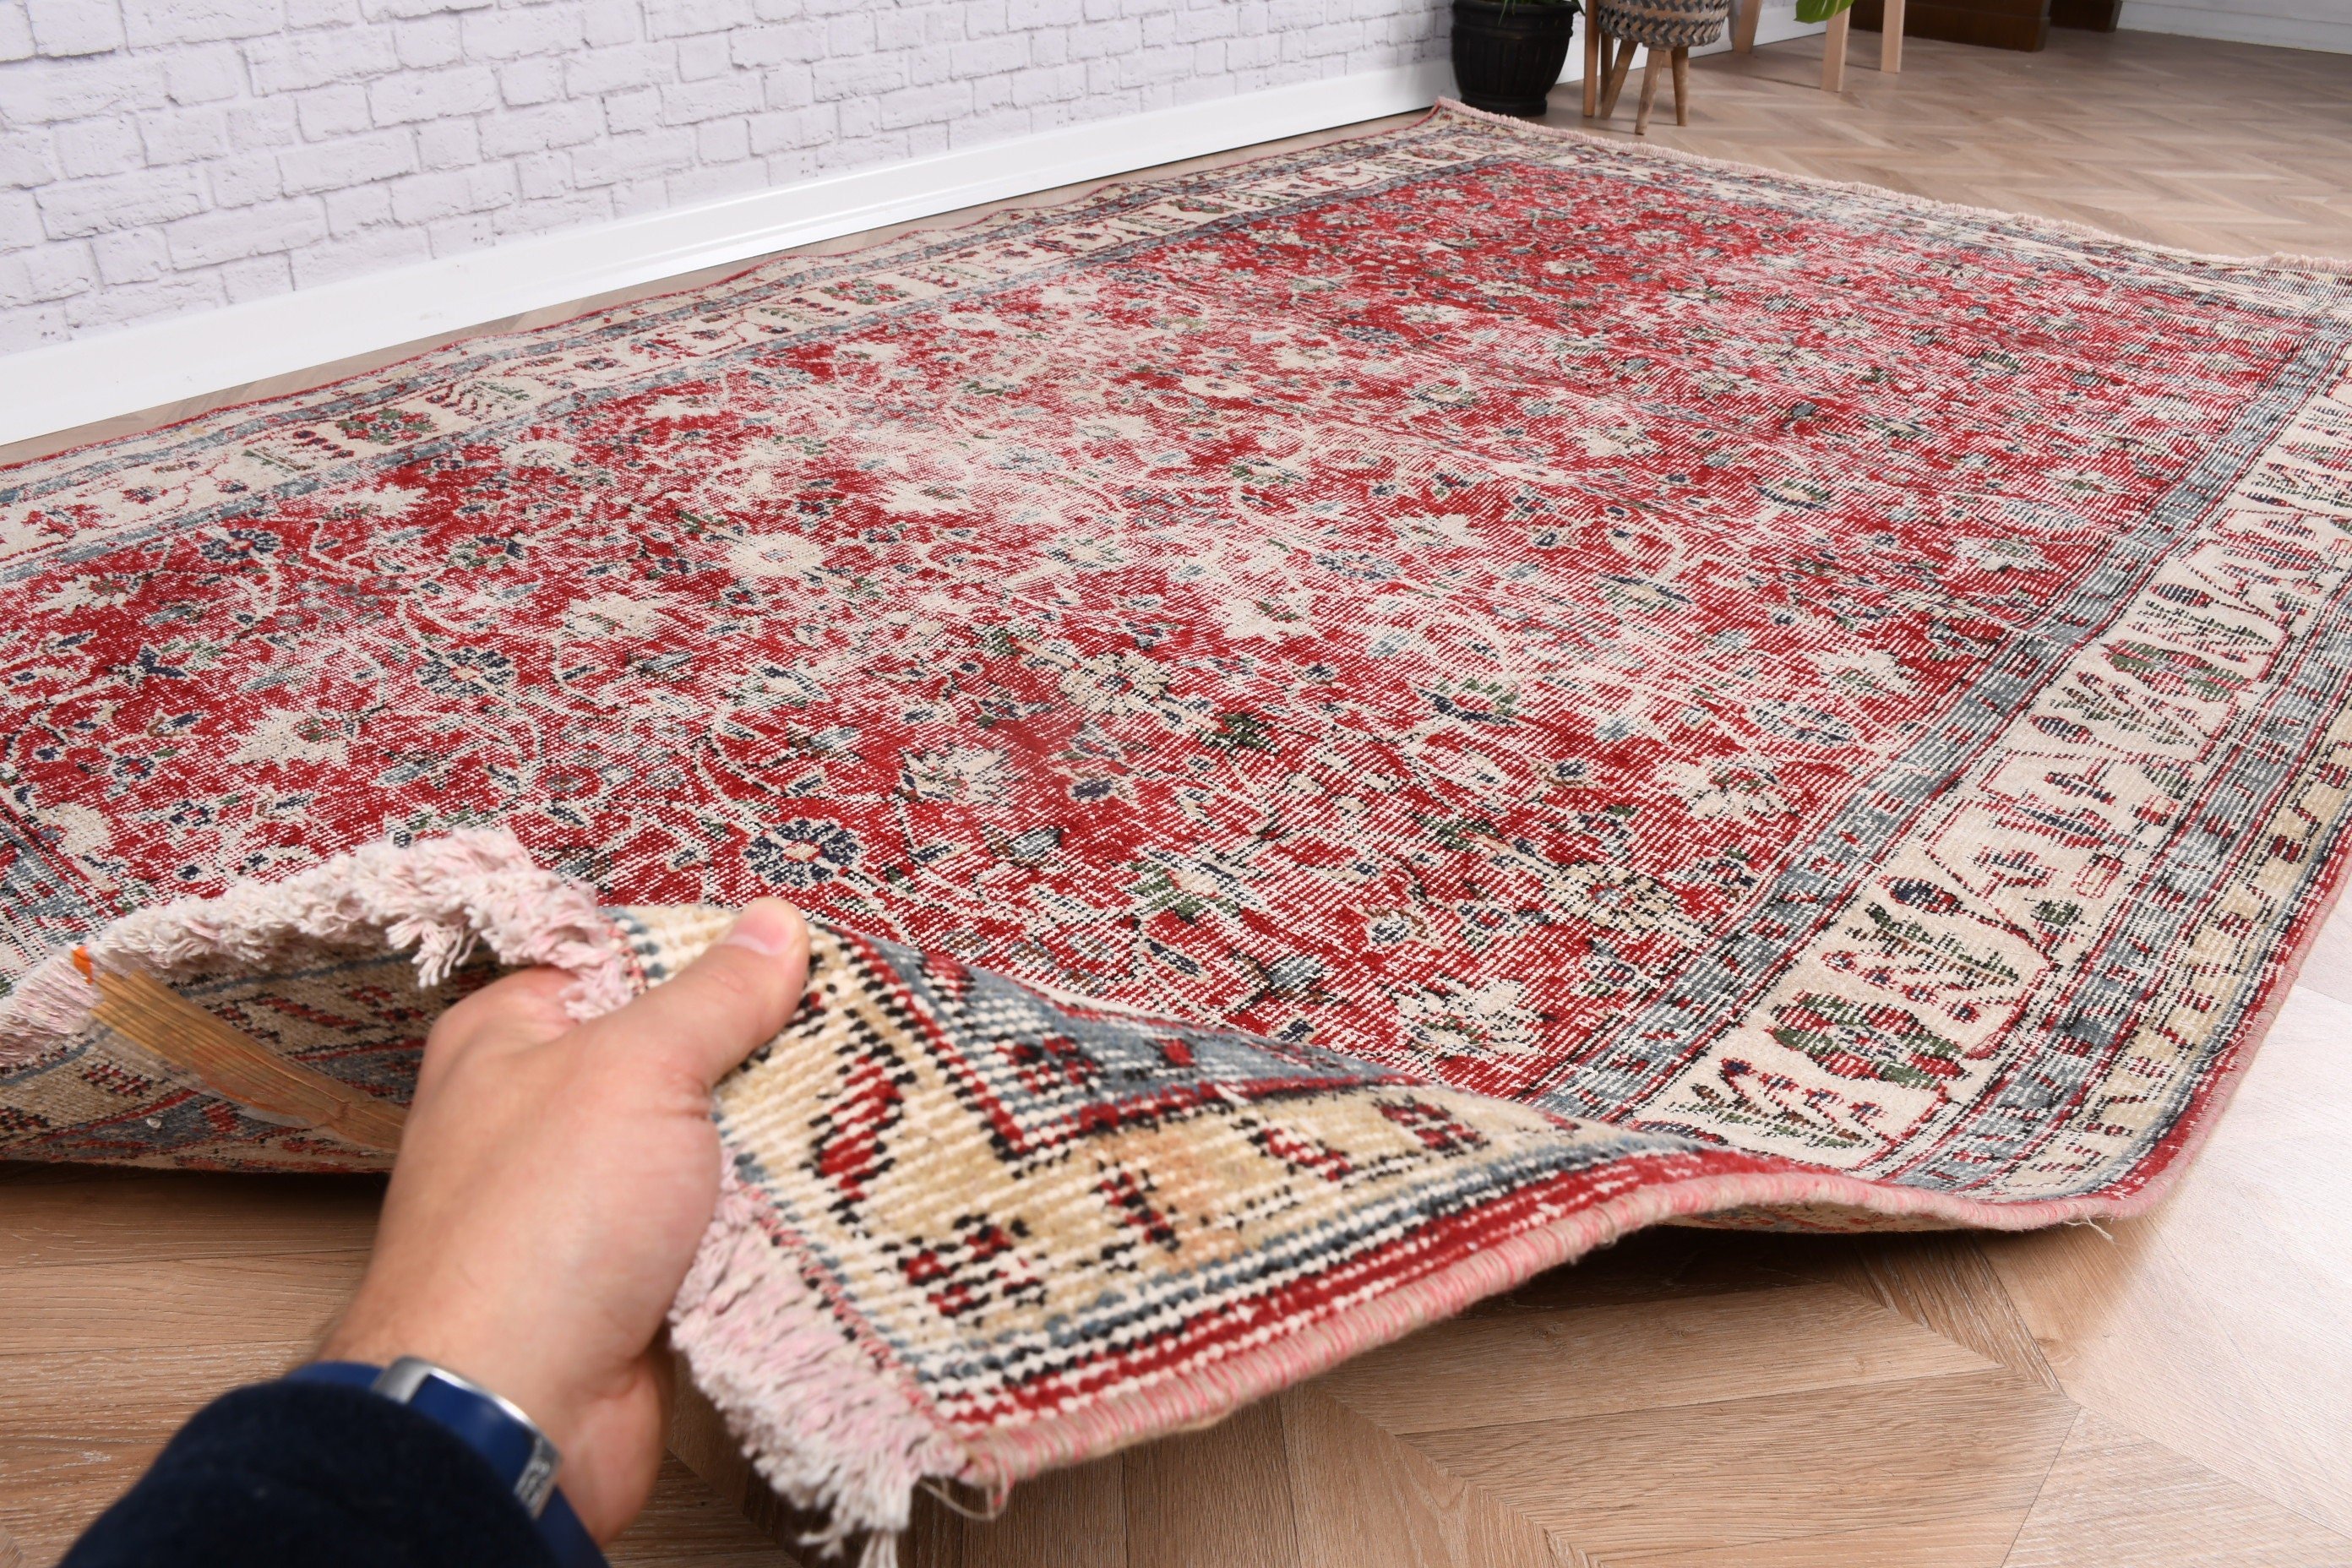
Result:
<point x="2186" y="141"/>
<point x="2177" y="1389"/>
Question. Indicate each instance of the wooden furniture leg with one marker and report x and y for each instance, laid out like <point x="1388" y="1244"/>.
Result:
<point x="1650" y="75"/>
<point x="1616" y="77"/>
<point x="1682" y="84"/>
<point x="1834" y="52"/>
<point x="1890" y="40"/>
<point x="1743" y="24"/>
<point x="1592" y="58"/>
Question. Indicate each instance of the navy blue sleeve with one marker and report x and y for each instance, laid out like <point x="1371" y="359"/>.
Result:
<point x="304" y="1473"/>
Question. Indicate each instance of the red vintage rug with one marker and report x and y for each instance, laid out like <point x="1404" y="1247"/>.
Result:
<point x="1361" y="724"/>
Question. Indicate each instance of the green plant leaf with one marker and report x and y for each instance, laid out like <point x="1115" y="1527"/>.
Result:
<point x="1820" y="10"/>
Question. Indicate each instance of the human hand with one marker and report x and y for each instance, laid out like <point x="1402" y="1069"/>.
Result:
<point x="553" y="1182"/>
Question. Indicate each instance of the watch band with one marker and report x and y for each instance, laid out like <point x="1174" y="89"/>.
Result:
<point x="492" y="1427"/>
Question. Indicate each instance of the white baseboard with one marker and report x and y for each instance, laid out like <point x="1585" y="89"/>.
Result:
<point x="143" y="365"/>
<point x="2330" y="34"/>
<point x="150" y="363"/>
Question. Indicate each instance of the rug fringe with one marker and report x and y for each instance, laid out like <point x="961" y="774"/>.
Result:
<point x="443" y="897"/>
<point x="825" y="1426"/>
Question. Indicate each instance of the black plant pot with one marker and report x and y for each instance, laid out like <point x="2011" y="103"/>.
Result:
<point x="1507" y="57"/>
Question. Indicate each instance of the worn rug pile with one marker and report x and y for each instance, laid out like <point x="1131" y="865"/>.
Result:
<point x="1358" y="724"/>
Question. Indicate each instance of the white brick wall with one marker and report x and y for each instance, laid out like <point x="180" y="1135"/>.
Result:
<point x="158" y="156"/>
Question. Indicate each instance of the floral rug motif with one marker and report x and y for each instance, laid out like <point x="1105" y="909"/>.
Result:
<point x="1358" y="724"/>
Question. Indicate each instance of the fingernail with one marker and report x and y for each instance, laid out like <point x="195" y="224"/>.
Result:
<point x="766" y="926"/>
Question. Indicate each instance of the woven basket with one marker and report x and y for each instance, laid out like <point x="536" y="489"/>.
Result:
<point x="1662" y="24"/>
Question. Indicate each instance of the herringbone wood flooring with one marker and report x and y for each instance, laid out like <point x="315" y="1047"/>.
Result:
<point x="2185" y="142"/>
<point x="2178" y="1389"/>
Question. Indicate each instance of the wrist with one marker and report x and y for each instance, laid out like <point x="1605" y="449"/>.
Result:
<point x="520" y="1458"/>
<point x="508" y="1378"/>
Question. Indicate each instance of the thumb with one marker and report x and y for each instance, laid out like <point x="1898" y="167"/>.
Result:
<point x="730" y="1000"/>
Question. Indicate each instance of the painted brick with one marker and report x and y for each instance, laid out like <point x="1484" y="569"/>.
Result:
<point x="989" y="94"/>
<point x="454" y="235"/>
<point x="707" y="183"/>
<point x="346" y="162"/>
<point x="412" y="96"/>
<point x="175" y="296"/>
<point x="184" y="136"/>
<point x="146" y="22"/>
<point x="376" y="9"/>
<point x="169" y="154"/>
<point x="75" y="26"/>
<point x="355" y="256"/>
<point x="216" y="237"/>
<point x="1097" y="39"/>
<point x="362" y="207"/>
<point x="618" y="157"/>
<point x="322" y="13"/>
<point x="545" y="177"/>
<point x="700" y="59"/>
<point x="923" y="106"/>
<point x="105" y="146"/>
<point x="862" y="152"/>
<point x="690" y="103"/>
<point x="789" y="87"/>
<point x="422" y="198"/>
<point x="292" y="61"/>
<point x="507" y="34"/>
<point x="789" y="131"/>
<point x="628" y="111"/>
<point x="604" y="22"/>
<point x="613" y="69"/>
<point x="56" y="272"/>
<point x="208" y="74"/>
<point x="80" y="207"/>
<point x="523" y="83"/>
<point x="859" y="76"/>
<point x="679" y="18"/>
<point x="847" y="38"/>
<point x="723" y="142"/>
<point x="448" y="144"/>
<point x="261" y="122"/>
<point x="555" y="212"/>
<point x="324" y="113"/>
<point x="518" y="132"/>
<point x="429" y="41"/>
<point x="15" y="32"/>
<point x="45" y="91"/>
<point x="138" y="256"/>
<point x="985" y="57"/>
<point x="256" y="277"/>
<point x="26" y="158"/>
<point x="20" y="221"/>
<point x="775" y="43"/>
<point x="32" y="326"/>
<point x="994" y="124"/>
<point x="241" y="181"/>
<point x="1058" y="85"/>
<point x="634" y="196"/>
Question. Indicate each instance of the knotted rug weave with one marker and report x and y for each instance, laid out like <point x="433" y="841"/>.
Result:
<point x="1356" y="725"/>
